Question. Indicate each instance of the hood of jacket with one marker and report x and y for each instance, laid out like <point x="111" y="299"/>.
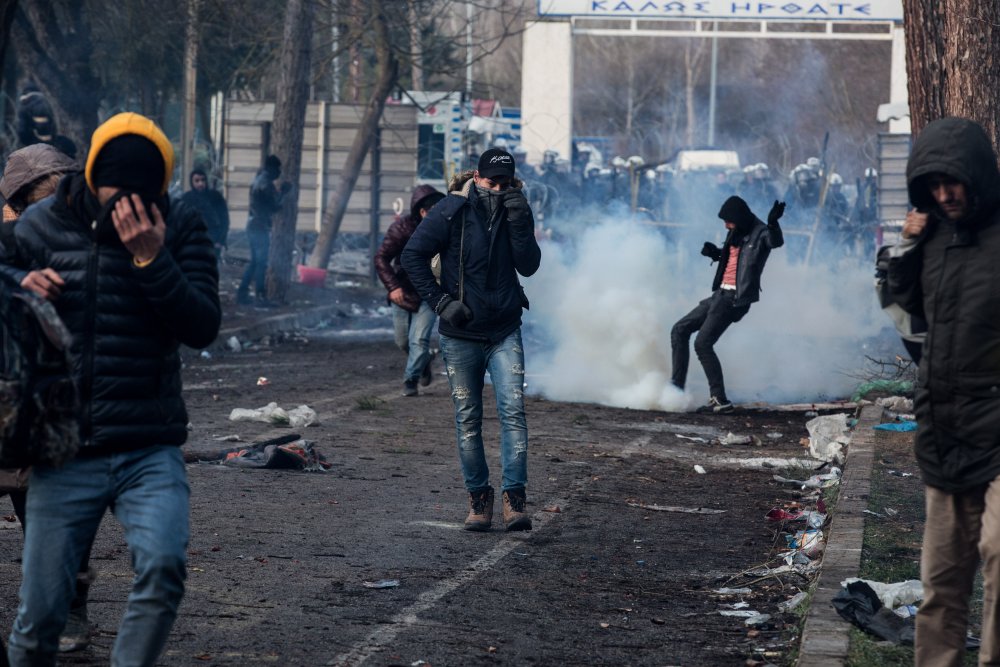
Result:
<point x="420" y="193"/>
<point x="960" y="149"/>
<point x="27" y="165"/>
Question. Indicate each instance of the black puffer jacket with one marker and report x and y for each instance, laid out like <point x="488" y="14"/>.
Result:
<point x="493" y="258"/>
<point x="127" y="322"/>
<point x="952" y="277"/>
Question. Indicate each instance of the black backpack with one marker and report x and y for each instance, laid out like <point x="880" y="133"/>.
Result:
<point x="39" y="403"/>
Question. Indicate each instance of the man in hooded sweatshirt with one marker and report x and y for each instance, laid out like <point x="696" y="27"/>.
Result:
<point x="945" y="269"/>
<point x="736" y="285"/>
<point x="266" y="199"/>
<point x="485" y="233"/>
<point x="139" y="279"/>
<point x="413" y="320"/>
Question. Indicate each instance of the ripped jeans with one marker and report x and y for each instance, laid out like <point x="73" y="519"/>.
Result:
<point x="466" y="362"/>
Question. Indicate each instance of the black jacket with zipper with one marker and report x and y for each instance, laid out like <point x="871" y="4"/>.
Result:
<point x="480" y="267"/>
<point x="127" y="322"/>
<point x="951" y="276"/>
<point x="755" y="249"/>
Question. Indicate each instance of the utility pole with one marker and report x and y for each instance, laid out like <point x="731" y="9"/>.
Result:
<point x="190" y="91"/>
<point x="711" y="91"/>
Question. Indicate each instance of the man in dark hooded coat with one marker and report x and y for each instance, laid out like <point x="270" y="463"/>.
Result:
<point x="737" y="285"/>
<point x="946" y="270"/>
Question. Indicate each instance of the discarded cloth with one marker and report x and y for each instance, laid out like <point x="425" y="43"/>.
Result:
<point x="827" y="437"/>
<point x="896" y="426"/>
<point x="298" y="455"/>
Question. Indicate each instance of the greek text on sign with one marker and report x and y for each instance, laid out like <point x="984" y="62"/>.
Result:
<point x="803" y="10"/>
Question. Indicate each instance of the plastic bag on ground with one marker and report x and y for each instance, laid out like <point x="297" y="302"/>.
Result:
<point x="827" y="437"/>
<point x="896" y="403"/>
<point x="272" y="414"/>
<point x="895" y="594"/>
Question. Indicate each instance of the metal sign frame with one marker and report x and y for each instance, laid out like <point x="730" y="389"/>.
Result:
<point x="726" y="10"/>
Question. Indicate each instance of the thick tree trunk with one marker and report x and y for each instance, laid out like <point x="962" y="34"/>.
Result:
<point x="286" y="137"/>
<point x="953" y="61"/>
<point x="58" y="58"/>
<point x="8" y="8"/>
<point x="387" y="74"/>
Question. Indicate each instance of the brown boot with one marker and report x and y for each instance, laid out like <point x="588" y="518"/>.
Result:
<point x="514" y="516"/>
<point x="480" y="510"/>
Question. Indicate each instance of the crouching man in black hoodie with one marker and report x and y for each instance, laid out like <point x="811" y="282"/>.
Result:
<point x="736" y="286"/>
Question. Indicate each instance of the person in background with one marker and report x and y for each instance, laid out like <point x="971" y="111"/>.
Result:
<point x="484" y="232"/>
<point x="412" y="318"/>
<point x="735" y="287"/>
<point x="139" y="279"/>
<point x="266" y="199"/>
<point x="210" y="203"/>
<point x="30" y="175"/>
<point x="945" y="271"/>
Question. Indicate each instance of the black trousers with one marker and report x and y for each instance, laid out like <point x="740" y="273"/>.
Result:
<point x="710" y="318"/>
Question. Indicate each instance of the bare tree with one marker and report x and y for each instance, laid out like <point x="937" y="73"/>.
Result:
<point x="384" y="32"/>
<point x="953" y="61"/>
<point x="289" y="121"/>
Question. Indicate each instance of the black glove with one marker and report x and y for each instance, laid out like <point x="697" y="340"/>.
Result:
<point x="454" y="312"/>
<point x="776" y="212"/>
<point x="710" y="250"/>
<point x="518" y="209"/>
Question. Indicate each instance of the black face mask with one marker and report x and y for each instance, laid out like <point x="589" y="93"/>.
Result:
<point x="490" y="200"/>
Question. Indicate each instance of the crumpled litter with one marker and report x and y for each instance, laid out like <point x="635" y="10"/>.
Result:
<point x="807" y="542"/>
<point x="827" y="437"/>
<point x="812" y="518"/>
<point x="901" y="427"/>
<point x="272" y="414"/>
<point x="895" y="403"/>
<point x="895" y="594"/>
<point x="831" y="478"/>
<point x="734" y="439"/>
<point x="858" y="603"/>
<point x="298" y="455"/>
<point x="752" y="617"/>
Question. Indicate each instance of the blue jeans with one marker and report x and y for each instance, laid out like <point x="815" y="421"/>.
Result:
<point x="256" y="271"/>
<point x="148" y="492"/>
<point x="413" y="336"/>
<point x="467" y="362"/>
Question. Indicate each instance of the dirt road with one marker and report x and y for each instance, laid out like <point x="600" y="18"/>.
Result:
<point x="279" y="560"/>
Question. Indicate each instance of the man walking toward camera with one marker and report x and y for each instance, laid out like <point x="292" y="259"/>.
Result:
<point x="485" y="234"/>
<point x="138" y="279"/>
<point x="736" y="285"/>
<point x="945" y="269"/>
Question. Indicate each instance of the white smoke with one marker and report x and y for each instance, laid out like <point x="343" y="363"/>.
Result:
<point x="602" y="309"/>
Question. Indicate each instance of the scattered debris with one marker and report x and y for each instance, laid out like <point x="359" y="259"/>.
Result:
<point x="774" y="435"/>
<point x="234" y="344"/>
<point x="263" y="381"/>
<point x="272" y="414"/>
<point x="296" y="455"/>
<point x="793" y="602"/>
<point x="732" y="591"/>
<point x="691" y="437"/>
<point x="827" y="437"/>
<point x="896" y="426"/>
<point x="381" y="583"/>
<point x="669" y="508"/>
<point x="205" y="354"/>
<point x="752" y="617"/>
<point x="227" y="438"/>
<point x="831" y="478"/>
<point x="698" y="469"/>
<point x="733" y="439"/>
<point x="893" y="595"/>
<point x="894" y="387"/>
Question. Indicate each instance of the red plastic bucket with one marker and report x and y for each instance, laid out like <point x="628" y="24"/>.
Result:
<point x="310" y="276"/>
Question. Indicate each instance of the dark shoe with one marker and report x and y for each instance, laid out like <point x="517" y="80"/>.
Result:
<point x="243" y="299"/>
<point x="410" y="388"/>
<point x="428" y="374"/>
<point x="480" y="510"/>
<point x="514" y="516"/>
<point x="261" y="302"/>
<point x="716" y="405"/>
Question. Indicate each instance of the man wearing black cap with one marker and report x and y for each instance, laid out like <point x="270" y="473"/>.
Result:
<point x="139" y="278"/>
<point x="485" y="234"/>
<point x="736" y="286"/>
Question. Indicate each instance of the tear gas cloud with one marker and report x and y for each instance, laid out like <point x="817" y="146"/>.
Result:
<point x="607" y="294"/>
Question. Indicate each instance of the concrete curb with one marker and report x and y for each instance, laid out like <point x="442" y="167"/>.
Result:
<point x="825" y="637"/>
<point x="277" y="323"/>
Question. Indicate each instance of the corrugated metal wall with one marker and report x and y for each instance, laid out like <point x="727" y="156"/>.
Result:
<point x="329" y="132"/>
